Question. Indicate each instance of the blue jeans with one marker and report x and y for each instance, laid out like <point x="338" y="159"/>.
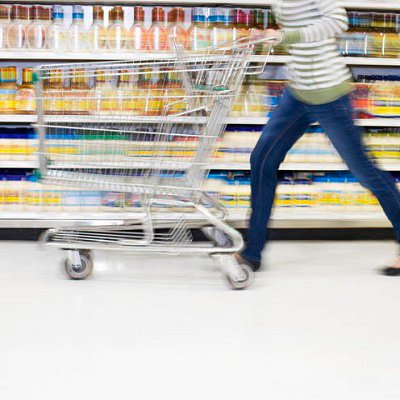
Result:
<point x="286" y="125"/>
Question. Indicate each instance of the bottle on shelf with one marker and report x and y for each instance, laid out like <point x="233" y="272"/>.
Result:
<point x="116" y="32"/>
<point x="77" y="96"/>
<point x="56" y="35"/>
<point x="391" y="38"/>
<point x="16" y="33"/>
<point x="158" y="35"/>
<point x="212" y="25"/>
<point x="53" y="93"/>
<point x="36" y="30"/>
<point x="375" y="37"/>
<point x="198" y="33"/>
<point x="97" y="33"/>
<point x="138" y="34"/>
<point x="77" y="33"/>
<point x="5" y="20"/>
<point x="240" y="24"/>
<point x="105" y="93"/>
<point x="125" y="94"/>
<point x="8" y="89"/>
<point x="176" y="29"/>
<point x="25" y="102"/>
<point x="352" y="42"/>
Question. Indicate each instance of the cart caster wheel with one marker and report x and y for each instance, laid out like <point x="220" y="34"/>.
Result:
<point x="242" y="283"/>
<point x="238" y="276"/>
<point x="79" y="265"/>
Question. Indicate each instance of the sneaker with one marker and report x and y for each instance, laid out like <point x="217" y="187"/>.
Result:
<point x="254" y="265"/>
<point x="393" y="270"/>
<point x="390" y="271"/>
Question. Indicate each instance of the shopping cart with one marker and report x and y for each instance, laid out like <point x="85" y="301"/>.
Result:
<point x="147" y="131"/>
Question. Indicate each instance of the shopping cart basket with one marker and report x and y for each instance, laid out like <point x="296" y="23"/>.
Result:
<point x="147" y="131"/>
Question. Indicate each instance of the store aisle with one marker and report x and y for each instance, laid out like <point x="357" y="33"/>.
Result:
<point x="318" y="324"/>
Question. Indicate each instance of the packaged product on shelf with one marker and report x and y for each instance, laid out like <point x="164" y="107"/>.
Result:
<point x="243" y="191"/>
<point x="89" y="200"/>
<point x="32" y="146"/>
<point x="241" y="24"/>
<point x="176" y="28"/>
<point x="238" y="143"/>
<point x="112" y="201"/>
<point x="126" y="94"/>
<point x="16" y="33"/>
<point x="77" y="33"/>
<point x="116" y="32"/>
<point x="33" y="194"/>
<point x="391" y="37"/>
<point x="5" y="20"/>
<point x="213" y="184"/>
<point x="5" y="146"/>
<point x="228" y="194"/>
<point x="53" y="93"/>
<point x="354" y="42"/>
<point x="52" y="198"/>
<point x="198" y="33"/>
<point x="375" y="35"/>
<point x="97" y="34"/>
<point x="106" y="93"/>
<point x="360" y="97"/>
<point x="252" y="100"/>
<point x="220" y="26"/>
<point x="8" y="89"/>
<point x="383" y="144"/>
<point x="138" y="34"/>
<point x="77" y="95"/>
<point x="36" y="31"/>
<point x="158" y="35"/>
<point x="384" y="99"/>
<point x="25" y="99"/>
<point x="56" y="35"/>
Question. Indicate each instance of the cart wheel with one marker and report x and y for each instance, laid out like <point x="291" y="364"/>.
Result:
<point x="238" y="276"/>
<point x="82" y="270"/>
<point x="242" y="283"/>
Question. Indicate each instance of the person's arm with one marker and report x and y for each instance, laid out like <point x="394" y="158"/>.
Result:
<point x="332" y="22"/>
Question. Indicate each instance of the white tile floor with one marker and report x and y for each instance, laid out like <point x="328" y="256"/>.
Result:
<point x="319" y="323"/>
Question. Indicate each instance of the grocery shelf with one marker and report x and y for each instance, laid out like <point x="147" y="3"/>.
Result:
<point x="187" y="3"/>
<point x="287" y="218"/>
<point x="365" y="5"/>
<point x="18" y="164"/>
<point x="46" y="55"/>
<point x="17" y="118"/>
<point x="10" y="118"/>
<point x="368" y="122"/>
<point x="300" y="166"/>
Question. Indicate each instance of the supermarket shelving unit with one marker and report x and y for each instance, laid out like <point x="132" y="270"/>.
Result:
<point x="282" y="218"/>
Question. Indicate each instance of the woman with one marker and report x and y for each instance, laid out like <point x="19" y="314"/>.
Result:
<point x="318" y="91"/>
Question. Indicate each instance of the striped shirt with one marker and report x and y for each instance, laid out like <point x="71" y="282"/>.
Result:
<point x="318" y="72"/>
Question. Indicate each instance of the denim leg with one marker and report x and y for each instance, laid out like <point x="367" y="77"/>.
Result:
<point x="286" y="125"/>
<point x="336" y="119"/>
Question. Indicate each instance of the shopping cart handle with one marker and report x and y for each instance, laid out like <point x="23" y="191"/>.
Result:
<point x="246" y="42"/>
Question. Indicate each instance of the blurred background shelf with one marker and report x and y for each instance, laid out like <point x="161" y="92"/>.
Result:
<point x="16" y="118"/>
<point x="365" y="5"/>
<point x="288" y="218"/>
